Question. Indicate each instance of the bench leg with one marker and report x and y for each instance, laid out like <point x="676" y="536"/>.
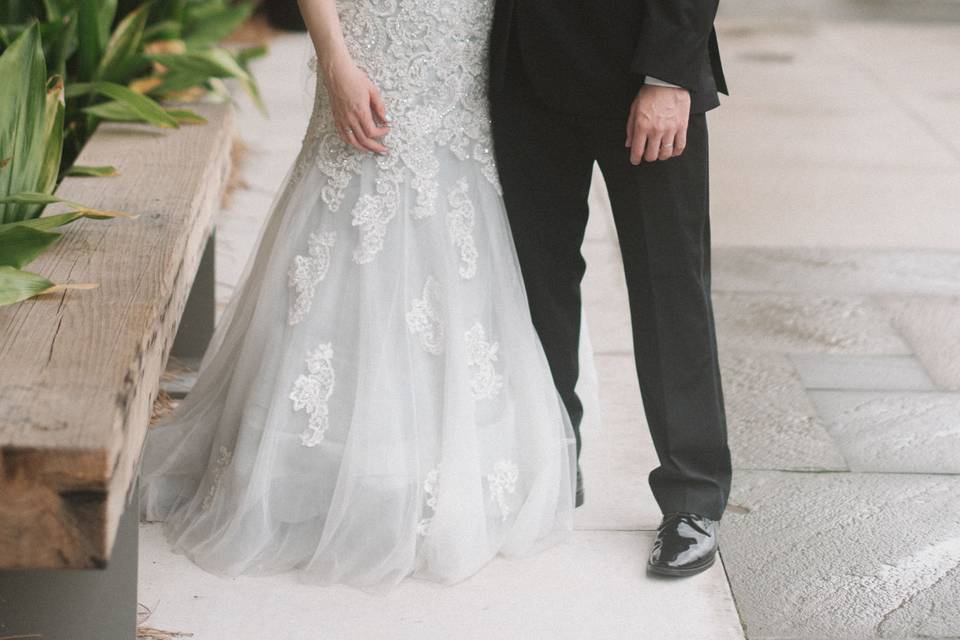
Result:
<point x="199" y="314"/>
<point x="79" y="604"/>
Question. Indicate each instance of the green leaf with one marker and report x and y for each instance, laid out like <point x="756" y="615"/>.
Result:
<point x="53" y="138"/>
<point x="164" y="30"/>
<point x="214" y="26"/>
<point x="215" y="63"/>
<point x="59" y="42"/>
<point x="18" y="11"/>
<point x="115" y="111"/>
<point x="211" y="63"/>
<point x="58" y="220"/>
<point x="27" y="197"/>
<point x="173" y="10"/>
<point x="146" y="108"/>
<point x="20" y="245"/>
<point x="92" y="172"/>
<point x="243" y="59"/>
<point x="122" y="58"/>
<point x="33" y="197"/>
<point x="244" y="56"/>
<point x="185" y="116"/>
<point x="17" y="285"/>
<point x="179" y="81"/>
<point x="22" y="110"/>
<point x="56" y="9"/>
<point x="94" y="18"/>
<point x="47" y="222"/>
<point x="37" y="198"/>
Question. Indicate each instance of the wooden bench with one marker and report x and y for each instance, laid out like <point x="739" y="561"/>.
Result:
<point x="79" y="372"/>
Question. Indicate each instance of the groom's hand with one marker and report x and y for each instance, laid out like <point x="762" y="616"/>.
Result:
<point x="657" y="126"/>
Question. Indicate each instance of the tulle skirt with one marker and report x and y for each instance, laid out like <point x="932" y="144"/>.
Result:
<point x="375" y="403"/>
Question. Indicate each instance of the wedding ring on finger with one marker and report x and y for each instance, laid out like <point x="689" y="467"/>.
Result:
<point x="666" y="146"/>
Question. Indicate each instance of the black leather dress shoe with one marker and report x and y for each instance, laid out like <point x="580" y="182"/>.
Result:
<point x="686" y="544"/>
<point x="579" y="499"/>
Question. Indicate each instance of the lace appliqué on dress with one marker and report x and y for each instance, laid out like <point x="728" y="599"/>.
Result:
<point x="307" y="272"/>
<point x="371" y="215"/>
<point x="503" y="481"/>
<point x="485" y="381"/>
<point x="312" y="392"/>
<point x="430" y="487"/>
<point x="425" y="320"/>
<point x="430" y="65"/>
<point x="460" y="221"/>
<point x="224" y="456"/>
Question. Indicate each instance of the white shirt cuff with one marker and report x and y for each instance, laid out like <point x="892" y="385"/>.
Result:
<point x="659" y="82"/>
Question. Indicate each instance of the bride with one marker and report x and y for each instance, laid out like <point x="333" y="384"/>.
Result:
<point x="375" y="403"/>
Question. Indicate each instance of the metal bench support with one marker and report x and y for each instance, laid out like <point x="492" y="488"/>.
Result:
<point x="199" y="314"/>
<point x="77" y="604"/>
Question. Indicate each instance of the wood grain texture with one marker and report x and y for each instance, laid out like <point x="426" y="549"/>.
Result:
<point x="79" y="369"/>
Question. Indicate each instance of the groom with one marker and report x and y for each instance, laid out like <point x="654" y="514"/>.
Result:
<point x="624" y="83"/>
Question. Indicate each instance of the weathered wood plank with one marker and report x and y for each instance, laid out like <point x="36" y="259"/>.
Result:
<point x="79" y="370"/>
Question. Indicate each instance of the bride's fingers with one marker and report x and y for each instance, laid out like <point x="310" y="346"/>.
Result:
<point x="365" y="142"/>
<point x="371" y="130"/>
<point x="348" y="135"/>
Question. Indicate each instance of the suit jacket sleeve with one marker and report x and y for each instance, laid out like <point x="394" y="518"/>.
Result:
<point x="673" y="40"/>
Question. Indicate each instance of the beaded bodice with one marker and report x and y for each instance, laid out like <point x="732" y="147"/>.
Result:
<point x="429" y="60"/>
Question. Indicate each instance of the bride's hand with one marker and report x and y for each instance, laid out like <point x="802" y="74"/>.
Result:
<point x="358" y="109"/>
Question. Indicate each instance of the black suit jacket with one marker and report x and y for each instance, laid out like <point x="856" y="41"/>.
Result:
<point x="591" y="56"/>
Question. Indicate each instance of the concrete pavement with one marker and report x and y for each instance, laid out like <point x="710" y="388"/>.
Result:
<point x="836" y="169"/>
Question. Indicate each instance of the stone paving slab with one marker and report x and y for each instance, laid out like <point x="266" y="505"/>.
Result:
<point x="591" y="587"/>
<point x="796" y="150"/>
<point x="837" y="556"/>
<point x="855" y="206"/>
<point x="894" y="432"/>
<point x="804" y="323"/>
<point x="858" y="128"/>
<point x="922" y="78"/>
<point x="940" y="612"/>
<point x="771" y="422"/>
<point x="761" y="53"/>
<point x="861" y="373"/>
<point x="780" y="10"/>
<point x="932" y="327"/>
<point x="836" y="271"/>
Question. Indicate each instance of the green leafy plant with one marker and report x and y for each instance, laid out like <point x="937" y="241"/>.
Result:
<point x="31" y="126"/>
<point x="67" y="65"/>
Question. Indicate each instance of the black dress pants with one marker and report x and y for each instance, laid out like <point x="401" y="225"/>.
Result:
<point x="661" y="210"/>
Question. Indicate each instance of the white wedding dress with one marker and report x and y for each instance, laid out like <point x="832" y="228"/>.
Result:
<point x="375" y="403"/>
